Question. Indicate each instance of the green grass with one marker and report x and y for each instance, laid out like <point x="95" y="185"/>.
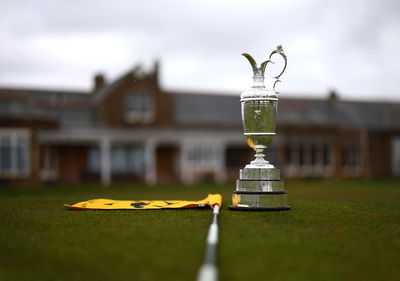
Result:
<point x="337" y="230"/>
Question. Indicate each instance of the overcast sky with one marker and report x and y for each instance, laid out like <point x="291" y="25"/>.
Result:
<point x="350" y="46"/>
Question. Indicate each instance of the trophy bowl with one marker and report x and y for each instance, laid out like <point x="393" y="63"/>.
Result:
<point x="258" y="118"/>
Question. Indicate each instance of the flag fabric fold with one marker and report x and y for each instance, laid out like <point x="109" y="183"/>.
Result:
<point x="107" y="204"/>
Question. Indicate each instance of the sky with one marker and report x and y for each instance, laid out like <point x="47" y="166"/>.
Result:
<point x="350" y="46"/>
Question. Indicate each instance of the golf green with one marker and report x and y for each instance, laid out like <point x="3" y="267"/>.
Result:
<point x="336" y="230"/>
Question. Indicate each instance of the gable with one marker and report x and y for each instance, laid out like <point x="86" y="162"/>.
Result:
<point x="134" y="100"/>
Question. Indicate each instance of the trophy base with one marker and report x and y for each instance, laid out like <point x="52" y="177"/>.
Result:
<point x="259" y="190"/>
<point x="263" y="166"/>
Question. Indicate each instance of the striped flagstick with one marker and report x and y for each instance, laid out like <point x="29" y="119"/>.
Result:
<point x="209" y="271"/>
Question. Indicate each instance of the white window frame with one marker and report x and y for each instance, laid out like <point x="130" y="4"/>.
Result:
<point x="124" y="150"/>
<point x="49" y="163"/>
<point x="14" y="134"/>
<point x="211" y="159"/>
<point x="396" y="155"/>
<point x="329" y="169"/>
<point x="206" y="156"/>
<point x="141" y="114"/>
<point x="93" y="164"/>
<point x="351" y="170"/>
<point x="307" y="169"/>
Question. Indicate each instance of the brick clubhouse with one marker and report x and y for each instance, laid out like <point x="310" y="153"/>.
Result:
<point x="131" y="129"/>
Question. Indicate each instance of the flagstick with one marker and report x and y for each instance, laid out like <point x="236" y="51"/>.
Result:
<point x="209" y="271"/>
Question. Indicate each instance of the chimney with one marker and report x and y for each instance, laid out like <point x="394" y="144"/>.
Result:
<point x="333" y="96"/>
<point x="156" y="69"/>
<point x="99" y="82"/>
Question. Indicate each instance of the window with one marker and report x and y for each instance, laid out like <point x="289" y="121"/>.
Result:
<point x="93" y="160"/>
<point x="326" y="154"/>
<point x="396" y="155"/>
<point x="302" y="154"/>
<point x="308" y="155"/>
<point x="127" y="160"/>
<point x="202" y="155"/>
<point x="5" y="154"/>
<point x="14" y="152"/>
<point x="289" y="153"/>
<point x="22" y="154"/>
<point x="314" y="154"/>
<point x="48" y="163"/>
<point x="135" y="161"/>
<point x="139" y="106"/>
<point x="118" y="160"/>
<point x="350" y="154"/>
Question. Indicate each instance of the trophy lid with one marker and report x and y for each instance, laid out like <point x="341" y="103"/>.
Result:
<point x="258" y="89"/>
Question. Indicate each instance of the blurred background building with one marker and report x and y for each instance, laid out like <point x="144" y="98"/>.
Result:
<point x="131" y="129"/>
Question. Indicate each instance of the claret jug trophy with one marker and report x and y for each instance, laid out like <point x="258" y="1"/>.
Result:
<point x="259" y="187"/>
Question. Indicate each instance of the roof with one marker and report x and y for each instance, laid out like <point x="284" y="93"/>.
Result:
<point x="225" y="110"/>
<point x="200" y="109"/>
<point x="78" y="109"/>
<point x="67" y="107"/>
<point x="344" y="114"/>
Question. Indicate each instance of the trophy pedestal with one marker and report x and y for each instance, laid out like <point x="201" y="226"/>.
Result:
<point x="259" y="189"/>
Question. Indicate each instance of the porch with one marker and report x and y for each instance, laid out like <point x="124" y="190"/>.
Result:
<point x="142" y="156"/>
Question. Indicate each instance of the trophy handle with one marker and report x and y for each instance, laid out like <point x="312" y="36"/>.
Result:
<point x="279" y="51"/>
<point x="273" y="86"/>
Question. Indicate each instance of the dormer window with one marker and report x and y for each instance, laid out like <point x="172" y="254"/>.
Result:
<point x="139" y="107"/>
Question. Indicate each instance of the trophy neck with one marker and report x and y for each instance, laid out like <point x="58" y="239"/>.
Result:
<point x="258" y="82"/>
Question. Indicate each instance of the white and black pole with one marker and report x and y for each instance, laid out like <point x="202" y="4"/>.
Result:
<point x="209" y="271"/>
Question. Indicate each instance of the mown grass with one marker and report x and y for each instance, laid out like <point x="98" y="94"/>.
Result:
<point x="337" y="230"/>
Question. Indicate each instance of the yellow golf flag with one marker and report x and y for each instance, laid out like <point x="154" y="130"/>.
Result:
<point x="108" y="204"/>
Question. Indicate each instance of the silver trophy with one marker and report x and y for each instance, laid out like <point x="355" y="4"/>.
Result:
<point x="259" y="187"/>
